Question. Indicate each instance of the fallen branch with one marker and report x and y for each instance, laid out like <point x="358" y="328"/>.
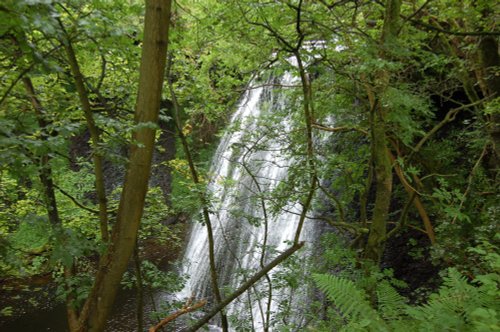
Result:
<point x="185" y="309"/>
<point x="284" y="255"/>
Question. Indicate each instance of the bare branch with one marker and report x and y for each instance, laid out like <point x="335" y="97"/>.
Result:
<point x="186" y="309"/>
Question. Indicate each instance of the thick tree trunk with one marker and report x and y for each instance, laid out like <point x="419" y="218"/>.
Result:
<point x="114" y="262"/>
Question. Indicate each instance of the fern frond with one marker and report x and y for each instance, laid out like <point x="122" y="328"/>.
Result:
<point x="455" y="306"/>
<point x="390" y="303"/>
<point x="350" y="300"/>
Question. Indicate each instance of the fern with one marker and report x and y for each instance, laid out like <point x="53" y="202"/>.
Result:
<point x="390" y="303"/>
<point x="351" y="302"/>
<point x="457" y="306"/>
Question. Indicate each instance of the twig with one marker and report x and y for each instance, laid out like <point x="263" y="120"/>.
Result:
<point x="186" y="309"/>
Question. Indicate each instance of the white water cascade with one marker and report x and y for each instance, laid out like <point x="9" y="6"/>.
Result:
<point x="250" y="228"/>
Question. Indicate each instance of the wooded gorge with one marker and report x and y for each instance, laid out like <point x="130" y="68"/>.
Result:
<point x="250" y="165"/>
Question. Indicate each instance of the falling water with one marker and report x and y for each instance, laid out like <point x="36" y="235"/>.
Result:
<point x="252" y="161"/>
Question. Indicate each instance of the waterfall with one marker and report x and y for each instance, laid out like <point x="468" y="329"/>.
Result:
<point x="251" y="161"/>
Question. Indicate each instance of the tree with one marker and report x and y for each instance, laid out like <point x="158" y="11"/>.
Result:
<point x="380" y="153"/>
<point x="114" y="262"/>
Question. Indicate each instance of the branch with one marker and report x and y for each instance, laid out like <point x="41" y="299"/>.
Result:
<point x="95" y="133"/>
<point x="284" y="255"/>
<point x="80" y="205"/>
<point x="24" y="72"/>
<point x="103" y="64"/>
<point x="279" y="85"/>
<point x="469" y="180"/>
<point x="288" y="47"/>
<point x="14" y="82"/>
<point x="202" y="196"/>
<point x="185" y="309"/>
<point x="455" y="33"/>
<point x="338" y="129"/>
<point x="429" y="229"/>
<point x="450" y="116"/>
<point x="414" y="14"/>
<point x="350" y="227"/>
<point x="340" y="210"/>
<point x="403" y="217"/>
<point x="298" y="27"/>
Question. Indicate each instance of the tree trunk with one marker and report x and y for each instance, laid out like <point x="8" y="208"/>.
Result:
<point x="114" y="262"/>
<point x="383" y="184"/>
<point x="45" y="171"/>
<point x="382" y="165"/>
